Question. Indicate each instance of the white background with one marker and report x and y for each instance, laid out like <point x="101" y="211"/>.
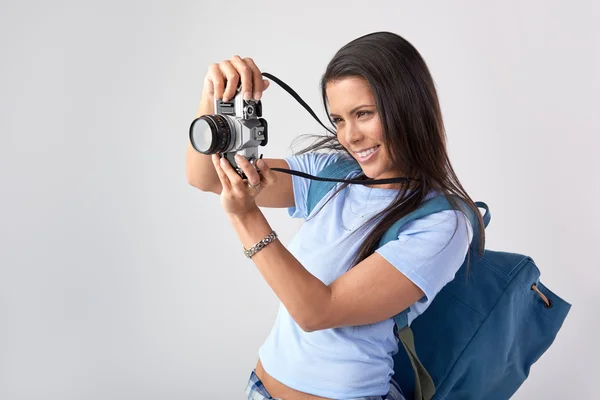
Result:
<point x="118" y="280"/>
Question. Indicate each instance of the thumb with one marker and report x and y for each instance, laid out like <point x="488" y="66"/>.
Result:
<point x="267" y="175"/>
<point x="266" y="84"/>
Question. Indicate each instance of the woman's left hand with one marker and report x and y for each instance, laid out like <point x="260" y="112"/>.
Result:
<point x="238" y="195"/>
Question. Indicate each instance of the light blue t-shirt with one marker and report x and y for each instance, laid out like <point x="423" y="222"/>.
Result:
<point x="355" y="361"/>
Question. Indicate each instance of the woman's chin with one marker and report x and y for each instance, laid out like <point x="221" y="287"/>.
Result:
<point x="370" y="173"/>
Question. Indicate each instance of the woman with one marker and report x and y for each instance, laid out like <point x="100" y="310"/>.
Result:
<point x="333" y="337"/>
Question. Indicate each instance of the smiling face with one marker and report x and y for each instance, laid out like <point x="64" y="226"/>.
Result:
<point x="359" y="127"/>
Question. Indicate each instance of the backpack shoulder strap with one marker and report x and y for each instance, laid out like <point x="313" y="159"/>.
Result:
<point x="318" y="189"/>
<point x="432" y="206"/>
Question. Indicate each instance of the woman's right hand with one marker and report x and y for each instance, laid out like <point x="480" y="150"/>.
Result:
<point x="221" y="80"/>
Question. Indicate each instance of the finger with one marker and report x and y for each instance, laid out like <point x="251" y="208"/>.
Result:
<point x="235" y="180"/>
<point x="251" y="173"/>
<point x="209" y="87"/>
<point x="266" y="84"/>
<point x="222" y="175"/>
<point x="257" y="78"/>
<point x="266" y="173"/>
<point x="215" y="75"/>
<point x="246" y="73"/>
<point x="232" y="79"/>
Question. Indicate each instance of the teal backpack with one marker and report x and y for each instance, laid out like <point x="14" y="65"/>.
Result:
<point x="483" y="331"/>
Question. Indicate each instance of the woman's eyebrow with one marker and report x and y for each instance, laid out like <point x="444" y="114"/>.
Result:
<point x="354" y="109"/>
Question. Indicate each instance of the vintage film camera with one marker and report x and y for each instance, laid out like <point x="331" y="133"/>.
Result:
<point x="236" y="127"/>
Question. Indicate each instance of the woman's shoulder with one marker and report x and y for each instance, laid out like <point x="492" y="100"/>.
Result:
<point x="323" y="157"/>
<point x="315" y="161"/>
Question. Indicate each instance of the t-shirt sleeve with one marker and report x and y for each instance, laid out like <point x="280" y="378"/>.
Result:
<point x="429" y="253"/>
<point x="309" y="163"/>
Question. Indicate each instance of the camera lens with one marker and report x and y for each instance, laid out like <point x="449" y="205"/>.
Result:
<point x="210" y="134"/>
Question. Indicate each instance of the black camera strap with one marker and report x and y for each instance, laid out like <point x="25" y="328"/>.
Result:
<point x="295" y="95"/>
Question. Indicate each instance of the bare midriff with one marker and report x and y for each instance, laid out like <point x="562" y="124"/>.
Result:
<point x="278" y="390"/>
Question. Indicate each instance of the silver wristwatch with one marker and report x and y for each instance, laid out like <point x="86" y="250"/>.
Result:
<point x="260" y="245"/>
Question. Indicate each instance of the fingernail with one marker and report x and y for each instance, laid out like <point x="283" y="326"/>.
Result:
<point x="257" y="95"/>
<point x="223" y="161"/>
<point x="239" y="157"/>
<point x="260" y="163"/>
<point x="247" y="95"/>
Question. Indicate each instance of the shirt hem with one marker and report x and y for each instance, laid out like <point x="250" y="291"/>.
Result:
<point x="296" y="385"/>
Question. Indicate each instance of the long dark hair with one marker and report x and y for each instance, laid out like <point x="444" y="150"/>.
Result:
<point x="407" y="102"/>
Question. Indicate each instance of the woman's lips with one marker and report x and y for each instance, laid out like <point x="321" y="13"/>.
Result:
<point x="367" y="158"/>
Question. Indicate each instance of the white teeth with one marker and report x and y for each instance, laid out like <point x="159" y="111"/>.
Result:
<point x="367" y="152"/>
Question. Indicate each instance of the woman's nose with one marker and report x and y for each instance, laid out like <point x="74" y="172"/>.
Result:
<point x="352" y="133"/>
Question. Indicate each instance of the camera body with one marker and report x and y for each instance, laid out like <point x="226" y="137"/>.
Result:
<point x="245" y="118"/>
<point x="237" y="127"/>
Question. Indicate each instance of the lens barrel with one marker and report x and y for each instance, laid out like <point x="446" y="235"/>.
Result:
<point x="210" y="134"/>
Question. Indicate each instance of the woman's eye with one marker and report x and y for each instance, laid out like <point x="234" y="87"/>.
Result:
<point x="358" y="115"/>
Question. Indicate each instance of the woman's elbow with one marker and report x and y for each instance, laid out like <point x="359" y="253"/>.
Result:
<point x="200" y="184"/>
<point x="314" y="322"/>
<point x="308" y="327"/>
